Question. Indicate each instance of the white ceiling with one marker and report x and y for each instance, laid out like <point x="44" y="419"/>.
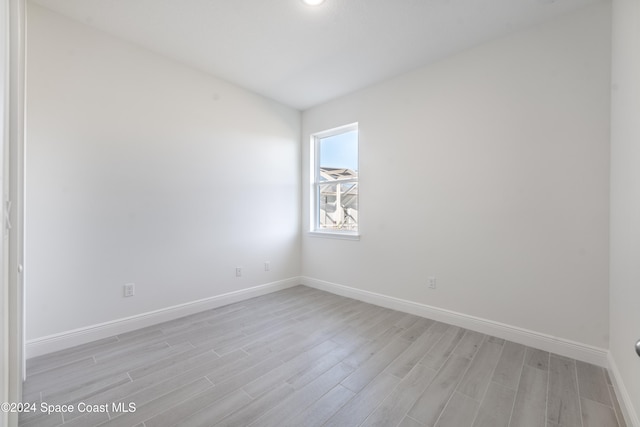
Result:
<point x="301" y="55"/>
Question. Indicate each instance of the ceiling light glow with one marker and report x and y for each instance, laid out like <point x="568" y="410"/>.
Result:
<point x="313" y="2"/>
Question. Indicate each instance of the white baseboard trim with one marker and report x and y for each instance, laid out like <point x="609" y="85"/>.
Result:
<point x="49" y="344"/>
<point x="626" y="404"/>
<point x="567" y="348"/>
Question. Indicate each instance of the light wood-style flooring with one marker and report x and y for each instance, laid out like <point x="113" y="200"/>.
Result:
<point x="302" y="357"/>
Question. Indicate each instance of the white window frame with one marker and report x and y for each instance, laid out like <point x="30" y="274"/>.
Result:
<point x="314" y="193"/>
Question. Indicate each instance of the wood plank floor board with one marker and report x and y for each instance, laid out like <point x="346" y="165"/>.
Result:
<point x="249" y="374"/>
<point x="267" y="345"/>
<point x="192" y="355"/>
<point x="280" y="374"/>
<point x="338" y="311"/>
<point x="356" y="410"/>
<point x="158" y="405"/>
<point x="304" y="357"/>
<point x="320" y="366"/>
<point x="537" y="359"/>
<point x="495" y="409"/>
<point x="407" y="320"/>
<point x="440" y="328"/>
<point x="232" y="320"/>
<point x="306" y="396"/>
<point x="319" y="412"/>
<point x="233" y="342"/>
<point x="41" y="380"/>
<point x="370" y="348"/>
<point x="357" y="315"/>
<point x="469" y="344"/>
<point x="183" y="324"/>
<point x="440" y="352"/>
<point x="348" y="336"/>
<point x="141" y="357"/>
<point x="303" y="309"/>
<point x="343" y="308"/>
<point x="42" y="421"/>
<point x="371" y="368"/>
<point x="150" y="387"/>
<point x="53" y="382"/>
<point x="476" y="380"/>
<point x="207" y="338"/>
<point x="496" y="340"/>
<point x="240" y="319"/>
<point x="248" y="413"/>
<point x="431" y="403"/>
<point x="198" y="332"/>
<point x="309" y="340"/>
<point x="402" y="365"/>
<point x="188" y="370"/>
<point x="129" y="349"/>
<point x="595" y="414"/>
<point x="30" y="416"/>
<point x="529" y="409"/>
<point x="53" y="385"/>
<point x="91" y="419"/>
<point x="174" y="414"/>
<point x="381" y="324"/>
<point x="460" y="411"/>
<point x="592" y="383"/>
<point x="240" y="339"/>
<point x="300" y="302"/>
<point x="229" y="328"/>
<point x="228" y="381"/>
<point x="417" y="329"/>
<point x="150" y="394"/>
<point x="363" y="321"/>
<point x="60" y="358"/>
<point x="37" y="417"/>
<point x="563" y="402"/>
<point x="509" y="368"/>
<point x="86" y="391"/>
<point x="262" y="327"/>
<point x="211" y="414"/>
<point x="409" y="422"/>
<point x="395" y="406"/>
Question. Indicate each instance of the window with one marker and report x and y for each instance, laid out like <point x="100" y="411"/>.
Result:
<point x="334" y="201"/>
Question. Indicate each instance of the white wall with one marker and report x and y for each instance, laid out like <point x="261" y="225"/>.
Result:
<point x="625" y="204"/>
<point x="490" y="171"/>
<point x="142" y="170"/>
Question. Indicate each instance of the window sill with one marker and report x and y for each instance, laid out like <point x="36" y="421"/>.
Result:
<point x="335" y="235"/>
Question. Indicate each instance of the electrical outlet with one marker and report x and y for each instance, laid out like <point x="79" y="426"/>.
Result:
<point x="431" y="282"/>
<point x="267" y="266"/>
<point x="238" y="271"/>
<point x="129" y="289"/>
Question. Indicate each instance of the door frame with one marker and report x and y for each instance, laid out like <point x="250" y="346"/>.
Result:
<point x="12" y="173"/>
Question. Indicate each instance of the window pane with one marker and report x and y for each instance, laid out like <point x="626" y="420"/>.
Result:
<point x="340" y="151"/>
<point x="338" y="204"/>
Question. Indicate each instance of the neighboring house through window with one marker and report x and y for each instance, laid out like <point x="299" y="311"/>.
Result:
<point x="334" y="201"/>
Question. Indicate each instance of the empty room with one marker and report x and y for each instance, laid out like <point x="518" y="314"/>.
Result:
<point x="321" y="213"/>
